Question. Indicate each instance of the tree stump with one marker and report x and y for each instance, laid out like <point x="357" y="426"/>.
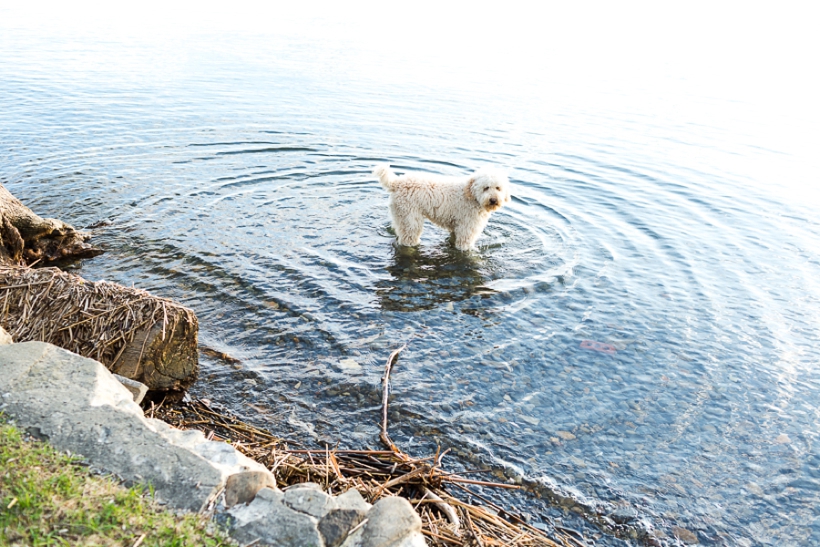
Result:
<point x="133" y="333"/>
<point x="130" y="331"/>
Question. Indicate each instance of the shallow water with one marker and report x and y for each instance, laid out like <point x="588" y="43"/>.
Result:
<point x="234" y="172"/>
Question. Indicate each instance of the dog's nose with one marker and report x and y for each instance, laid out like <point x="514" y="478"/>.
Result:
<point x="493" y="201"/>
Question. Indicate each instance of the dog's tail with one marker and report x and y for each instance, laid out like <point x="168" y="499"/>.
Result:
<point x="386" y="176"/>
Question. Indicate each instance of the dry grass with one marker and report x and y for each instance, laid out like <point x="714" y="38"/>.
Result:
<point x="375" y="473"/>
<point x="96" y="320"/>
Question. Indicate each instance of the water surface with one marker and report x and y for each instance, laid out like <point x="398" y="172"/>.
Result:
<point x="673" y="223"/>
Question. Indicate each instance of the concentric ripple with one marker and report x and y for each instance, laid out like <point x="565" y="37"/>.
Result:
<point x="634" y="339"/>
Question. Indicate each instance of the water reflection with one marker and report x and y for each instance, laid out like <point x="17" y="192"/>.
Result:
<point x="425" y="277"/>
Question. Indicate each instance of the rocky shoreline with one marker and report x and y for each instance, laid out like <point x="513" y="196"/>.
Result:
<point x="77" y="405"/>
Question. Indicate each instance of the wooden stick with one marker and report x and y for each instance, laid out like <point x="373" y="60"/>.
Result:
<point x="482" y="483"/>
<point x="399" y="480"/>
<point x="377" y="452"/>
<point x="25" y="285"/>
<point x="516" y="538"/>
<point x="446" y="508"/>
<point x="442" y="538"/>
<point x="384" y="436"/>
<point x="475" y="533"/>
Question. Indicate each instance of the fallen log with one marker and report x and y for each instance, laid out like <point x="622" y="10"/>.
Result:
<point x="25" y="237"/>
<point x="130" y="331"/>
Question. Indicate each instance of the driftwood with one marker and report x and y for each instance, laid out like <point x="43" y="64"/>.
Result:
<point x="26" y="238"/>
<point x="130" y="331"/>
<point x="447" y="519"/>
<point x="377" y="474"/>
<point x="383" y="434"/>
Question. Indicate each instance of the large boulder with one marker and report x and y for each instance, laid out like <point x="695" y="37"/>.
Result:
<point x="76" y="404"/>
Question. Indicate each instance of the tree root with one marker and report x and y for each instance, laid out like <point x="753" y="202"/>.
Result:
<point x="26" y="238"/>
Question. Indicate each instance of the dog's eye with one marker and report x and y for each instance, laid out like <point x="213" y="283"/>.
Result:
<point x="486" y="188"/>
<point x="498" y="188"/>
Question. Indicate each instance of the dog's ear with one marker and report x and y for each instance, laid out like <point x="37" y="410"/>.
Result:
<point x="468" y="190"/>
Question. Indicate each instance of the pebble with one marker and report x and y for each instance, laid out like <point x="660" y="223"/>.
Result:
<point x="350" y="365"/>
<point x="685" y="535"/>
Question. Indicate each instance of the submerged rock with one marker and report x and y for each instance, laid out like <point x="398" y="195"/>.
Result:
<point x="685" y="535"/>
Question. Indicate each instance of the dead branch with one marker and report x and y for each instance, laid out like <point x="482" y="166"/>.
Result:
<point x="385" y="437"/>
<point x="26" y="238"/>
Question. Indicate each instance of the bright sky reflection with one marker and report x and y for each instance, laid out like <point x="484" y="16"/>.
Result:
<point x="621" y="54"/>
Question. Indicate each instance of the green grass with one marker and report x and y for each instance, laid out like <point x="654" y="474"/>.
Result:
<point x="47" y="499"/>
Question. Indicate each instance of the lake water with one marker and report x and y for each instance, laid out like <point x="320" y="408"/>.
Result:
<point x="661" y="206"/>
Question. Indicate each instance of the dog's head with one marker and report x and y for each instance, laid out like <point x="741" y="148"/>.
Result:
<point x="490" y="188"/>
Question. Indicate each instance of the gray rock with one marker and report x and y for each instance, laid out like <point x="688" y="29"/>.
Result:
<point x="5" y="338"/>
<point x="624" y="515"/>
<point x="354" y="539"/>
<point x="137" y="389"/>
<point x="309" y="501"/>
<point x="242" y="487"/>
<point x="416" y="539"/>
<point x="335" y="526"/>
<point x="390" y="522"/>
<point x="267" y="520"/>
<point x="220" y="454"/>
<point x="270" y="494"/>
<point x="310" y="485"/>
<point x="352" y="499"/>
<point x="77" y="405"/>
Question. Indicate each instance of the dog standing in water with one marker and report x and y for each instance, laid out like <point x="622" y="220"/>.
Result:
<point x="461" y="205"/>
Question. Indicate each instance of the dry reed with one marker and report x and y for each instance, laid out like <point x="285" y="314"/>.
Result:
<point x="93" y="319"/>
<point x="447" y="520"/>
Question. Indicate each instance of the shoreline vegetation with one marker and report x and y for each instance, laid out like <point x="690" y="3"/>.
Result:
<point x="49" y="498"/>
<point x="153" y="340"/>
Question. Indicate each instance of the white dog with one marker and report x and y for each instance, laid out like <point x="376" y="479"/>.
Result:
<point x="461" y="205"/>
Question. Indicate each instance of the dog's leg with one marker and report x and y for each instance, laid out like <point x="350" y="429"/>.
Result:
<point x="467" y="232"/>
<point x="465" y="237"/>
<point x="408" y="226"/>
